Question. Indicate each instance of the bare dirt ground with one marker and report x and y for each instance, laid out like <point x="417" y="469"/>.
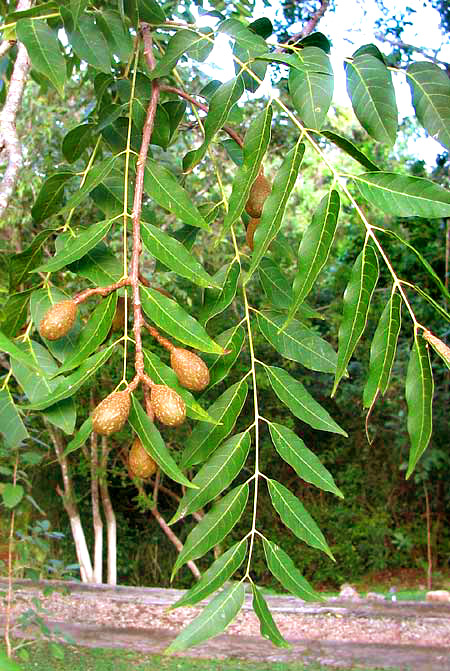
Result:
<point x="410" y="636"/>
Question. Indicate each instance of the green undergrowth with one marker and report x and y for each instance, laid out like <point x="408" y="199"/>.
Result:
<point x="99" y="659"/>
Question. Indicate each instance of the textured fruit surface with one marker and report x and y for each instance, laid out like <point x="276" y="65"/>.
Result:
<point x="58" y="320"/>
<point x="167" y="405"/>
<point x="259" y="192"/>
<point x="111" y="414"/>
<point x="191" y="371"/>
<point x="140" y="463"/>
<point x="251" y="228"/>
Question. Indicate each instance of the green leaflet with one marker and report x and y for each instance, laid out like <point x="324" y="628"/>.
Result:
<point x="246" y="38"/>
<point x="300" y="402"/>
<point x="422" y="260"/>
<point x="350" y="149"/>
<point x="419" y="390"/>
<point x="357" y="297"/>
<point x="315" y="248"/>
<point x="214" y="618"/>
<point x="80" y="437"/>
<point x="9" y="347"/>
<point x="116" y="33"/>
<point x="256" y="142"/>
<point x="161" y="185"/>
<point x="369" y="85"/>
<point x="297" y="342"/>
<point x="70" y="385"/>
<point x="430" y="90"/>
<point x="437" y="306"/>
<point x="24" y="262"/>
<point x="283" y="568"/>
<point x="44" y="51"/>
<point x="90" y="45"/>
<point x="77" y="247"/>
<point x="76" y="141"/>
<point x="382" y="350"/>
<point x="254" y="71"/>
<point x="96" y="175"/>
<point x="51" y="195"/>
<point x="182" y="42"/>
<point x="37" y="385"/>
<point x="154" y="444"/>
<point x="39" y="10"/>
<point x="220" y="105"/>
<point x="174" y="255"/>
<point x="268" y="628"/>
<point x="93" y="333"/>
<point x="163" y="374"/>
<point x="222" y="569"/>
<point x="305" y="463"/>
<point x="213" y="528"/>
<point x="216" y="301"/>
<point x="273" y="210"/>
<point x="215" y="476"/>
<point x="275" y="285"/>
<point x="206" y="437"/>
<point x="294" y="515"/>
<point x="312" y="87"/>
<point x="150" y="11"/>
<point x="99" y="266"/>
<point x="171" y="318"/>
<point x="219" y="366"/>
<point x="404" y="196"/>
<point x="14" y="313"/>
<point x="11" y="425"/>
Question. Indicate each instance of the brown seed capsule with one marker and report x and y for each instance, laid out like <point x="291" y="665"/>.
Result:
<point x="140" y="463"/>
<point x="251" y="228"/>
<point x="118" y="322"/>
<point x="58" y="320"/>
<point x="167" y="405"/>
<point x="192" y="372"/>
<point x="111" y="414"/>
<point x="438" y="345"/>
<point x="258" y="195"/>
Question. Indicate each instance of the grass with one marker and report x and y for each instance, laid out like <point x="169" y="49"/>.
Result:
<point x="77" y="658"/>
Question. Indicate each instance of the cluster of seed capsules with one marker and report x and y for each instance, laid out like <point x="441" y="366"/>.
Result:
<point x="112" y="413"/>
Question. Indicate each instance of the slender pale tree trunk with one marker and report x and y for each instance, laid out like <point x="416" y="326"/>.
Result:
<point x="70" y="506"/>
<point x="111" y="526"/>
<point x="96" y="514"/>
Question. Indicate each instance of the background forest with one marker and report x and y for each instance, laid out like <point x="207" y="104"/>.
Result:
<point x="385" y="522"/>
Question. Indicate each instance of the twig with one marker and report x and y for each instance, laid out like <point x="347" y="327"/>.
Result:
<point x="9" y="141"/>
<point x="137" y="202"/>
<point x="175" y="540"/>
<point x="101" y="291"/>
<point x="182" y="94"/>
<point x="158" y="337"/>
<point x="403" y="45"/>
<point x="311" y="24"/>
